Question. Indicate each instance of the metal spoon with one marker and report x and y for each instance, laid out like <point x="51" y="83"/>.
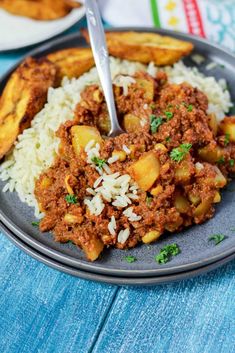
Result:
<point x="101" y="57"/>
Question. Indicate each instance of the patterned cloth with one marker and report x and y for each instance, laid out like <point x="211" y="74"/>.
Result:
<point x="212" y="19"/>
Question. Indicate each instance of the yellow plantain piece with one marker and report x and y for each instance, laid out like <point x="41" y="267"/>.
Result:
<point x="23" y="96"/>
<point x="43" y="10"/>
<point x="145" y="47"/>
<point x="72" y="62"/>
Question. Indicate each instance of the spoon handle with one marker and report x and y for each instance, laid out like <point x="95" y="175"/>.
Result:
<point x="101" y="57"/>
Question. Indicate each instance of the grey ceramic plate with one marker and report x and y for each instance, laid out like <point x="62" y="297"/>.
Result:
<point x="196" y="250"/>
<point x="133" y="281"/>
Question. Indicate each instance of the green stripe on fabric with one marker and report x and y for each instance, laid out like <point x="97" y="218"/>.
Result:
<point x="155" y="14"/>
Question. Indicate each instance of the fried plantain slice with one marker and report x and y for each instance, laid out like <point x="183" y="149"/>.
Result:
<point x="23" y="96"/>
<point x="40" y="9"/>
<point x="145" y="47"/>
<point x="72" y="62"/>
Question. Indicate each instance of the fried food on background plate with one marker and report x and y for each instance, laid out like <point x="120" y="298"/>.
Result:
<point x="24" y="96"/>
<point x="145" y="47"/>
<point x="72" y="62"/>
<point x="40" y="9"/>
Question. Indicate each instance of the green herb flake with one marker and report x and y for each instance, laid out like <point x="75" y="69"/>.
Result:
<point x="71" y="199"/>
<point x="178" y="154"/>
<point x="70" y="242"/>
<point x="169" y="115"/>
<point x="221" y="160"/>
<point x="232" y="229"/>
<point x="98" y="162"/>
<point x="168" y="138"/>
<point x="149" y="200"/>
<point x="217" y="238"/>
<point x="35" y="224"/>
<point x="190" y="108"/>
<point x="152" y="105"/>
<point x="231" y="163"/>
<point x="130" y="259"/>
<point x="226" y="139"/>
<point x="166" y="253"/>
<point x="155" y="122"/>
<point x="222" y="66"/>
<point x="169" y="106"/>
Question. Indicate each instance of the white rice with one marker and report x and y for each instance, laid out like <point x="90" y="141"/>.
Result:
<point x="123" y="235"/>
<point x="113" y="188"/>
<point x="126" y="149"/>
<point x="198" y="59"/>
<point x="113" y="159"/>
<point x="37" y="146"/>
<point x="131" y="216"/>
<point x="112" y="226"/>
<point x="211" y="66"/>
<point x="124" y="82"/>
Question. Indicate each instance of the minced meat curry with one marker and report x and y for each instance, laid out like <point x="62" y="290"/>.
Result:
<point x="165" y="173"/>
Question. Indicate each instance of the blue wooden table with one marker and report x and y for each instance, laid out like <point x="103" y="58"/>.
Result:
<point x="42" y="310"/>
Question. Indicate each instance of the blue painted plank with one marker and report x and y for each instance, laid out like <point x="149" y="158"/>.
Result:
<point x="43" y="310"/>
<point x="193" y="316"/>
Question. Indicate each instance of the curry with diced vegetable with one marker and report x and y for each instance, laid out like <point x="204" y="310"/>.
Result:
<point x="164" y="174"/>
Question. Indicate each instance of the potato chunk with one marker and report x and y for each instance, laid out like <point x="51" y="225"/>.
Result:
<point x="92" y="248"/>
<point x="210" y="155"/>
<point x="131" y="123"/>
<point x="227" y="126"/>
<point x="220" y="180"/>
<point x="72" y="62"/>
<point x="202" y="208"/>
<point x="145" y="47"/>
<point x="183" y="172"/>
<point x="151" y="236"/>
<point x="23" y="97"/>
<point x="213" y="123"/>
<point x="42" y="10"/>
<point x="81" y="135"/>
<point x="181" y="204"/>
<point x="147" y="86"/>
<point x="146" y="170"/>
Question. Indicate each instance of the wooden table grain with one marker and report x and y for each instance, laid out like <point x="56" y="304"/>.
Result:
<point x="45" y="311"/>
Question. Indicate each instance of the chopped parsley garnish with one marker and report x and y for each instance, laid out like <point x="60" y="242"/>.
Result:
<point x="35" y="224"/>
<point x="231" y="162"/>
<point x="70" y="242"/>
<point x="221" y="160"/>
<point x="98" y="162"/>
<point x="166" y="253"/>
<point x="222" y="66"/>
<point x="178" y="154"/>
<point x="190" y="108"/>
<point x="130" y="259"/>
<point x="169" y="115"/>
<point x="71" y="199"/>
<point x="170" y="106"/>
<point x="226" y="139"/>
<point x="217" y="238"/>
<point x="149" y="200"/>
<point x="168" y="138"/>
<point x="155" y="122"/>
<point x="232" y="229"/>
<point x="152" y="105"/>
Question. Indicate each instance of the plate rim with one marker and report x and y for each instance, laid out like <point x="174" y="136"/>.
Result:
<point x="120" y="281"/>
<point x="79" y="263"/>
<point x="49" y="36"/>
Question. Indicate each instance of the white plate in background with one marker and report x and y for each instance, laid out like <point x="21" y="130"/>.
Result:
<point x="18" y="32"/>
